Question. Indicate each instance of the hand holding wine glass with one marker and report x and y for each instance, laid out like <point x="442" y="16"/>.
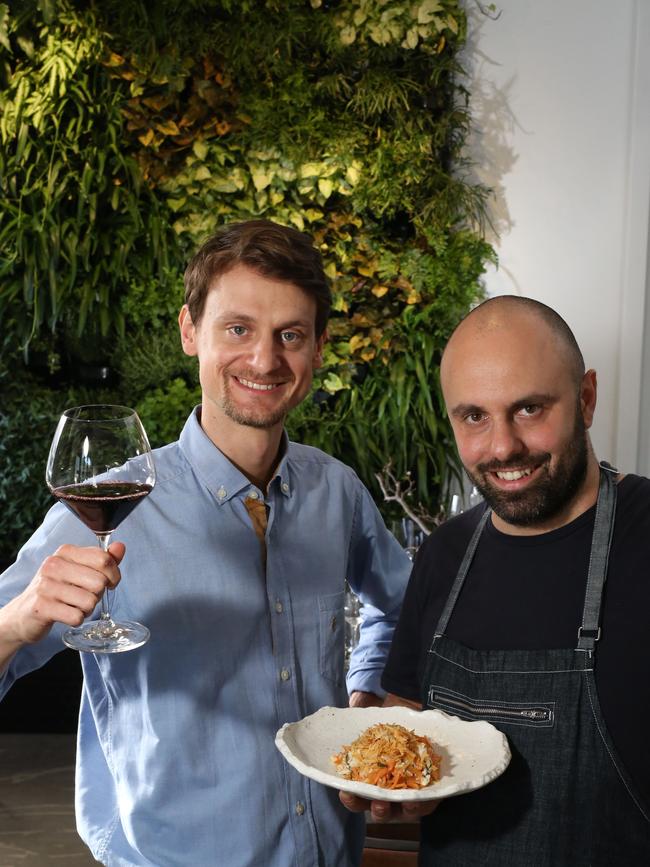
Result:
<point x="100" y="466"/>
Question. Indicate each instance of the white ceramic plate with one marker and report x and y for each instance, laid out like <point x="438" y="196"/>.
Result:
<point x="473" y="753"/>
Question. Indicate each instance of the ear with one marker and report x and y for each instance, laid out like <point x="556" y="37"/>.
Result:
<point x="188" y="331"/>
<point x="317" y="359"/>
<point x="588" y="393"/>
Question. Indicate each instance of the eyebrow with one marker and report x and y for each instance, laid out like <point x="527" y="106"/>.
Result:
<point x="234" y="316"/>
<point x="545" y="399"/>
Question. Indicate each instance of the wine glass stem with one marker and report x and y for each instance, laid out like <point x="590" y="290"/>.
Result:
<point x="104" y="540"/>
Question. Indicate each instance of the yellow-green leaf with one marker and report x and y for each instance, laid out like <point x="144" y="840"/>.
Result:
<point x="333" y="383"/>
<point x="325" y="187"/>
<point x="348" y="35"/>
<point x="261" y="179"/>
<point x="200" y="149"/>
<point x="427" y="10"/>
<point x="311" y="170"/>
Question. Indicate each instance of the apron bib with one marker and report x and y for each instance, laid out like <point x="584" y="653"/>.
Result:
<point x="565" y="800"/>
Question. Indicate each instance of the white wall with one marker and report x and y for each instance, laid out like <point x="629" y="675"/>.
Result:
<point x="560" y="99"/>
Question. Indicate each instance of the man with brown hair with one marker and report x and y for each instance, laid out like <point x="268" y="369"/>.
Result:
<point x="530" y="611"/>
<point x="236" y="562"/>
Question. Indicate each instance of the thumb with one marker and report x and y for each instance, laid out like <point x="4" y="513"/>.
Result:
<point x="117" y="551"/>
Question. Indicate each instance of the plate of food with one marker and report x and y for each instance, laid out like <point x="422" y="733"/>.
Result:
<point x="394" y="753"/>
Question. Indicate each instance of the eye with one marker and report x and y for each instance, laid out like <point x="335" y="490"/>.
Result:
<point x="474" y="417"/>
<point x="530" y="410"/>
<point x="290" y="336"/>
<point x="237" y="330"/>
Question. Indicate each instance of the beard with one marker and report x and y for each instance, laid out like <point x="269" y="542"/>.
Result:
<point x="550" y="494"/>
<point x="257" y="418"/>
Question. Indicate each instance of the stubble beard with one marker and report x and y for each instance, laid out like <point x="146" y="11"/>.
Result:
<point x="550" y="494"/>
<point x="251" y="418"/>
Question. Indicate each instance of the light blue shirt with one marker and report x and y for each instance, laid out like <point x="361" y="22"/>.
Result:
<point x="176" y="761"/>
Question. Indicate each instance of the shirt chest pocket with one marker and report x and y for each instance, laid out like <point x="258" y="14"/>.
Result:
<point x="331" y="636"/>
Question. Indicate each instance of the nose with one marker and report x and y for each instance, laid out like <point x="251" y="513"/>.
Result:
<point x="506" y="440"/>
<point x="264" y="355"/>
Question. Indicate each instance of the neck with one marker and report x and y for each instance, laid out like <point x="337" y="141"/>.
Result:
<point x="584" y="499"/>
<point x="254" y="451"/>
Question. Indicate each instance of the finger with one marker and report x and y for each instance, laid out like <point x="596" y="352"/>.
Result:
<point x="75" y="565"/>
<point x="354" y="803"/>
<point x="381" y="811"/>
<point x="117" y="551"/>
<point x="416" y="809"/>
<point x="56" y="573"/>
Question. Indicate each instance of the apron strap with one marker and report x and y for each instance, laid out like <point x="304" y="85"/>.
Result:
<point x="589" y="631"/>
<point x="460" y="577"/>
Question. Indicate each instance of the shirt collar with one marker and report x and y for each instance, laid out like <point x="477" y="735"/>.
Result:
<point x="218" y="474"/>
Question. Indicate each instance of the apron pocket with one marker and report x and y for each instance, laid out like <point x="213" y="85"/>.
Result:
<point x="538" y="714"/>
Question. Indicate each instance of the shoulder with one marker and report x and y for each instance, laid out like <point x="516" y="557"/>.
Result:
<point x="454" y="533"/>
<point x="633" y="503"/>
<point x="170" y="463"/>
<point x="441" y="553"/>
<point x="309" y="457"/>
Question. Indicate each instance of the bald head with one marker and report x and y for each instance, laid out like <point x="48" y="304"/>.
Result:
<point x="520" y="405"/>
<point x="506" y="314"/>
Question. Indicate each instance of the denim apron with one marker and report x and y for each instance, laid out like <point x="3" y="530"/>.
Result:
<point x="565" y="799"/>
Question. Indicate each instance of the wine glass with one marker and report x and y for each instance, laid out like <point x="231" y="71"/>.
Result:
<point x="100" y="466"/>
<point x="409" y="535"/>
<point x="352" y="613"/>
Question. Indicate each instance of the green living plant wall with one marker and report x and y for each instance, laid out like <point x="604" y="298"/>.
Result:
<point x="130" y="131"/>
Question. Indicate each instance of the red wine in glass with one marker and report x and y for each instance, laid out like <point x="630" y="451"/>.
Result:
<point x="101" y="467"/>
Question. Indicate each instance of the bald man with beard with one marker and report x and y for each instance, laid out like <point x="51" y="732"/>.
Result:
<point x="530" y="610"/>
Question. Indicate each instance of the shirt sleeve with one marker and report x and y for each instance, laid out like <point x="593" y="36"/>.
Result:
<point x="59" y="527"/>
<point x="402" y="673"/>
<point x="378" y="570"/>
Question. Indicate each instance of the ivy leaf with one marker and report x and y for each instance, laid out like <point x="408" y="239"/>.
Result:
<point x="261" y="179"/>
<point x="427" y="10"/>
<point x="325" y="187"/>
<point x="412" y="38"/>
<point x="348" y="35"/>
<point x="334" y="383"/>
<point x="200" y="149"/>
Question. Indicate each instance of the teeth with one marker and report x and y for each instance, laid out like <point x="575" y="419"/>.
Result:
<point x="513" y="475"/>
<point x="257" y="385"/>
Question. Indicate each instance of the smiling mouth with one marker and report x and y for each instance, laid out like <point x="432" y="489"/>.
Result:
<point x="512" y="475"/>
<point x="258" y="386"/>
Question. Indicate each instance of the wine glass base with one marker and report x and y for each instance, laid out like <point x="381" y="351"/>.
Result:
<point x="96" y="637"/>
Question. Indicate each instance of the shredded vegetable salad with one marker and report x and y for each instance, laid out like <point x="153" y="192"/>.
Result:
<point x="390" y="756"/>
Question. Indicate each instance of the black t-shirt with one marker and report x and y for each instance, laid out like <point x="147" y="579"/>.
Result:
<point x="527" y="593"/>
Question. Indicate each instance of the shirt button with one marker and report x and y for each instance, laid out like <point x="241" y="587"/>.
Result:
<point x="278" y="607"/>
<point x="300" y="808"/>
<point x="253" y="495"/>
<point x="285" y="674"/>
<point x="285" y="487"/>
<point x="222" y="492"/>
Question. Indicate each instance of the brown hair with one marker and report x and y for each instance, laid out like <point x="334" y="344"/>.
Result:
<point x="268" y="248"/>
